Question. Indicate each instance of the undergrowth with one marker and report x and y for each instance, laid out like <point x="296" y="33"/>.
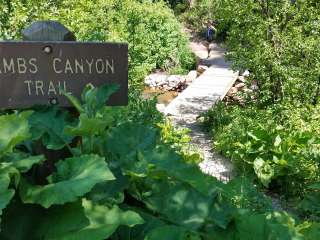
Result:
<point x="105" y="173"/>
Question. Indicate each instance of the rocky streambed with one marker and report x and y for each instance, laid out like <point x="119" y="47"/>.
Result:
<point x="166" y="87"/>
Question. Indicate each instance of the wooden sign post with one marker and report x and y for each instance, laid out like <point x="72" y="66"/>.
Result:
<point x="35" y="71"/>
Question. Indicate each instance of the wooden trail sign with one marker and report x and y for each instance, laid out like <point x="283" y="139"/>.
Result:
<point x="34" y="72"/>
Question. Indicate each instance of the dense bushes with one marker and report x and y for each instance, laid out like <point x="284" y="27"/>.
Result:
<point x="118" y="173"/>
<point x="274" y="138"/>
<point x="105" y="174"/>
<point x="279" y="145"/>
<point x="154" y="35"/>
<point x="198" y="16"/>
<point x="276" y="40"/>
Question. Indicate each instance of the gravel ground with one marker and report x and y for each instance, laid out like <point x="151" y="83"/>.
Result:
<point x="213" y="163"/>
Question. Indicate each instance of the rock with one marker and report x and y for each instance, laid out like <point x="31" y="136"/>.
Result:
<point x="232" y="91"/>
<point x="253" y="97"/>
<point x="236" y="82"/>
<point x="201" y="69"/>
<point x="246" y="73"/>
<point x="160" y="107"/>
<point x="174" y="78"/>
<point x="239" y="100"/>
<point x="165" y="82"/>
<point x="165" y="88"/>
<point x="192" y="75"/>
<point x="247" y="90"/>
<point x="241" y="79"/>
<point x="173" y="81"/>
<point x="155" y="79"/>
<point x="171" y="84"/>
<point x="254" y="85"/>
<point x="240" y="86"/>
<point x="161" y="79"/>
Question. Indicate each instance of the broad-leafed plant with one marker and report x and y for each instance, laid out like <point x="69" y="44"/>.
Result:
<point x="98" y="173"/>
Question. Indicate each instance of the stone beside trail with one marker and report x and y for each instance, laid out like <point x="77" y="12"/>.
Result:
<point x="199" y="97"/>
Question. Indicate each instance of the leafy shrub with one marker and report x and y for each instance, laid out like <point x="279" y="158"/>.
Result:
<point x="280" y="145"/>
<point x="276" y="139"/>
<point x="179" y="6"/>
<point x="100" y="176"/>
<point x="276" y="40"/>
<point x="198" y="16"/>
<point x="154" y="35"/>
<point x="180" y="140"/>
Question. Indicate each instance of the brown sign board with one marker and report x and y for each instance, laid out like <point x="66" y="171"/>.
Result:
<point x="33" y="73"/>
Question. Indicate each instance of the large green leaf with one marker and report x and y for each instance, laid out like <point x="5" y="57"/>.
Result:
<point x="109" y="191"/>
<point x="312" y="231"/>
<point x="48" y="124"/>
<point x="135" y="138"/>
<point x="167" y="232"/>
<point x="179" y="203"/>
<point x="14" y="129"/>
<point x="264" y="171"/>
<point x="87" y="126"/>
<point x="6" y="194"/>
<point x="139" y="231"/>
<point x="275" y="226"/>
<point x="38" y="223"/>
<point x="83" y="221"/>
<point x="166" y="159"/>
<point x="21" y="220"/>
<point x="95" y="98"/>
<point x="107" y="220"/>
<point x="244" y="194"/>
<point x="311" y="203"/>
<point x="74" y="177"/>
<point x="22" y="161"/>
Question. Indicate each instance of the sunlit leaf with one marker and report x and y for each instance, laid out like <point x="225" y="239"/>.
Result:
<point x="14" y="129"/>
<point x="74" y="177"/>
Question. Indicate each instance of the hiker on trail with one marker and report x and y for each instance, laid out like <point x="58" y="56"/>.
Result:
<point x="211" y="31"/>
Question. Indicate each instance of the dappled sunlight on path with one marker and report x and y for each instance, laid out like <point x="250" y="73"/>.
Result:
<point x="198" y="98"/>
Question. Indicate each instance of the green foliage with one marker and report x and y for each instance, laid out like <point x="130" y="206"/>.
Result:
<point x="126" y="174"/>
<point x="123" y="181"/>
<point x="6" y="193"/>
<point x="179" y="6"/>
<point x="14" y="130"/>
<point x="198" y="16"/>
<point x="120" y="175"/>
<point x="274" y="225"/>
<point x="276" y="40"/>
<point x="79" y="220"/>
<point x="154" y="35"/>
<point x="74" y="177"/>
<point x="167" y="232"/>
<point x="180" y="140"/>
<point x="279" y="145"/>
<point x="50" y="132"/>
